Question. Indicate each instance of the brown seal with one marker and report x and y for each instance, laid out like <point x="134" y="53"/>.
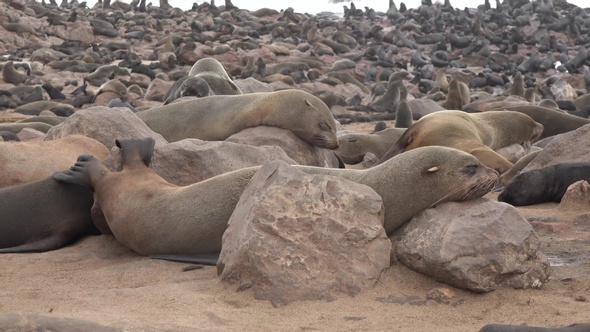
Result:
<point x="212" y="71"/>
<point x="555" y="122"/>
<point x="44" y="215"/>
<point x="154" y="217"/>
<point x="16" y="127"/>
<point x="22" y="162"/>
<point x="186" y="87"/>
<point x="517" y="88"/>
<point x="353" y="147"/>
<point x="11" y="75"/>
<point x="218" y="117"/>
<point x="478" y="133"/>
<point x="403" y="116"/>
<point x="454" y="99"/>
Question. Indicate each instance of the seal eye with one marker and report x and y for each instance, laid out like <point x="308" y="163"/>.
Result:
<point x="325" y="127"/>
<point x="470" y="169"/>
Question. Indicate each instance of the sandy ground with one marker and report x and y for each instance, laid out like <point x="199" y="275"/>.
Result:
<point x="99" y="280"/>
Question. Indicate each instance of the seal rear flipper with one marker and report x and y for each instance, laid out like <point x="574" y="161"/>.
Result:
<point x="203" y="259"/>
<point x="491" y="159"/>
<point x="80" y="173"/>
<point x="55" y="241"/>
<point x="135" y="150"/>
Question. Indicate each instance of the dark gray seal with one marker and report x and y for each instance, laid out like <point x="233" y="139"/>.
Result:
<point x="548" y="184"/>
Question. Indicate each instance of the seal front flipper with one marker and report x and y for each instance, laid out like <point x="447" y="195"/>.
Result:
<point x="82" y="172"/>
<point x="203" y="259"/>
<point x="55" y="241"/>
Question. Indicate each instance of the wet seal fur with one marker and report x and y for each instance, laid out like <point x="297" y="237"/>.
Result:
<point x="218" y="117"/>
<point x="154" y="217"/>
<point x="477" y="133"/>
<point x="547" y="184"/>
<point x="44" y="215"/>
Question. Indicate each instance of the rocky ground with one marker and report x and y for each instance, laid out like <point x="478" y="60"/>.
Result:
<point x="98" y="281"/>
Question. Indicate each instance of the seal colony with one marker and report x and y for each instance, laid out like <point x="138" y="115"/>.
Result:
<point x="472" y="79"/>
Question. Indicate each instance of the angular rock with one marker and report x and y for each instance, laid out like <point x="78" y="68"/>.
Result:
<point x="79" y="30"/>
<point x="296" y="148"/>
<point x="251" y="85"/>
<point x="191" y="160"/>
<point x="563" y="91"/>
<point x="295" y="236"/>
<point x="576" y="198"/>
<point x="30" y="134"/>
<point x="478" y="245"/>
<point x="105" y="125"/>
<point x="158" y="89"/>
<point x="569" y="147"/>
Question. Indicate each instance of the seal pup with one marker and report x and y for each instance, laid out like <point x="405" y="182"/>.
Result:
<point x="547" y="184"/>
<point x="154" y="217"/>
<point x="218" y="117"/>
<point x="403" y="116"/>
<point x="478" y="133"/>
<point x="212" y="71"/>
<point x="44" y="215"/>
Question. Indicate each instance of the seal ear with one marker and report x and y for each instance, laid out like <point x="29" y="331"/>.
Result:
<point x="433" y="169"/>
<point x="134" y="149"/>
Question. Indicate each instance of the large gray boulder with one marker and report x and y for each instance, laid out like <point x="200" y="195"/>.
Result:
<point x="296" y="148"/>
<point x="191" y="160"/>
<point x="295" y="236"/>
<point x="568" y="147"/>
<point x="105" y="125"/>
<point x="478" y="245"/>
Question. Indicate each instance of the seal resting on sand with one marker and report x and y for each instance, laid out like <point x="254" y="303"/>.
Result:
<point x="154" y="217"/>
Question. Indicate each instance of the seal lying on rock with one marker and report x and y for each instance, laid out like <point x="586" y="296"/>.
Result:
<point x="478" y="133"/>
<point x="548" y="184"/>
<point x="353" y="147"/>
<point x="218" y="117"/>
<point x="154" y="217"/>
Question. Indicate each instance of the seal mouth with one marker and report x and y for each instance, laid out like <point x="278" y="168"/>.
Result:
<point x="471" y="191"/>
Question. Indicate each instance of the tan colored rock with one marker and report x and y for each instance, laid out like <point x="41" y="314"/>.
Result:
<point x="479" y="245"/>
<point x="105" y="125"/>
<point x="296" y="148"/>
<point x="158" y="89"/>
<point x="569" y="147"/>
<point x="576" y="198"/>
<point x="295" y="236"/>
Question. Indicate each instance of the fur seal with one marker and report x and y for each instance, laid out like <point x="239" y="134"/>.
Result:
<point x="153" y="217"/>
<point x="11" y="75"/>
<point x="403" y="116"/>
<point x="188" y="86"/>
<point x="517" y="87"/>
<point x="353" y="147"/>
<point x="547" y="184"/>
<point x="212" y="71"/>
<point x="44" y="215"/>
<point x="520" y="328"/>
<point x="22" y="162"/>
<point x="478" y="133"/>
<point x="18" y="126"/>
<point x="9" y="136"/>
<point x="555" y="122"/>
<point x="454" y="99"/>
<point x="218" y="117"/>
